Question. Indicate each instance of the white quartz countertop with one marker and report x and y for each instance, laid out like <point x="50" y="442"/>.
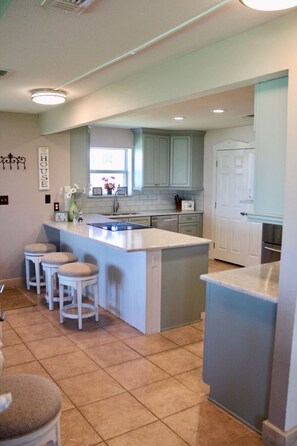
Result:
<point x="130" y="241"/>
<point x="260" y="281"/>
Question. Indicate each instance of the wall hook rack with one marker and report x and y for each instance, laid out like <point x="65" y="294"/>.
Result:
<point x="10" y="159"/>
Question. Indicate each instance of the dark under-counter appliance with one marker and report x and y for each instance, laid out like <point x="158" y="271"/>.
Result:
<point x="271" y="243"/>
<point x="118" y="226"/>
<point x="166" y="222"/>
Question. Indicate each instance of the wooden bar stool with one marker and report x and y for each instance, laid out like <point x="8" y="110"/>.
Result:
<point x="50" y="264"/>
<point x="78" y="275"/>
<point x="34" y="253"/>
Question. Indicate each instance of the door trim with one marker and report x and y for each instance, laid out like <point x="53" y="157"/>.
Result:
<point x="229" y="144"/>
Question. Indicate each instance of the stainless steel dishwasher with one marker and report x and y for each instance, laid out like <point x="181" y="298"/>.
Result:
<point x="166" y="222"/>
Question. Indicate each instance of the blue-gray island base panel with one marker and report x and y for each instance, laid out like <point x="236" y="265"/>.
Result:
<point x="239" y="341"/>
<point x="183" y="292"/>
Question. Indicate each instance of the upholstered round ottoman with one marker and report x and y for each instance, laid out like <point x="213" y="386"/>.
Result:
<point x="79" y="276"/>
<point x="50" y="264"/>
<point x="34" y="253"/>
<point x="33" y="417"/>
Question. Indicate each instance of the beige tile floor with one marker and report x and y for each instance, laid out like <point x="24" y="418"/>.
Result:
<point x="119" y="387"/>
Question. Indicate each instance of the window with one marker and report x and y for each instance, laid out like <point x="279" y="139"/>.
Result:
<point x="110" y="166"/>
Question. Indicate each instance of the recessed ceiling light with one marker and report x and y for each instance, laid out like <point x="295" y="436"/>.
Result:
<point x="270" y="5"/>
<point x="178" y="118"/>
<point x="48" y="96"/>
<point x="218" y="110"/>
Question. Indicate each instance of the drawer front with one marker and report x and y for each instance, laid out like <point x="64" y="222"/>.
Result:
<point x="193" y="218"/>
<point x="146" y="221"/>
<point x="189" y="229"/>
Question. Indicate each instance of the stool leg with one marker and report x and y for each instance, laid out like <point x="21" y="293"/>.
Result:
<point x="47" y="274"/>
<point x="37" y="275"/>
<point x="51" y="287"/>
<point x="79" y="304"/>
<point x="27" y="268"/>
<point x="61" y="295"/>
<point x="96" y="300"/>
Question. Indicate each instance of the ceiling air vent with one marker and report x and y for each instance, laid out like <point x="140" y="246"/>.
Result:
<point x="4" y="73"/>
<point x="72" y="6"/>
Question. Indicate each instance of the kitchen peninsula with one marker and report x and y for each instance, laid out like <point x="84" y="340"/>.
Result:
<point x="240" y="320"/>
<point x="149" y="278"/>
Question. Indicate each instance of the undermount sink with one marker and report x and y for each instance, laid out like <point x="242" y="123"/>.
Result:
<point x="118" y="214"/>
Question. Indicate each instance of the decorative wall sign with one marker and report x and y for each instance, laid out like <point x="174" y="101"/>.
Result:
<point x="43" y="168"/>
<point x="10" y="159"/>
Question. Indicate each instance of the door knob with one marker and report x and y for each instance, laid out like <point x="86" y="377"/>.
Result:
<point x="243" y="213"/>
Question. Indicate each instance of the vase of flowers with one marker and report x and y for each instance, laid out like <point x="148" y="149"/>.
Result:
<point x="74" y="193"/>
<point x="72" y="210"/>
<point x="109" y="186"/>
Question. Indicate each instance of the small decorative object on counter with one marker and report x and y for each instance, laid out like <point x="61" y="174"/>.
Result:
<point x="61" y="216"/>
<point x="187" y="205"/>
<point x="80" y="217"/>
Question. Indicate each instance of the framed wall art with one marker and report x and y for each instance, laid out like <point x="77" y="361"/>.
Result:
<point x="61" y="216"/>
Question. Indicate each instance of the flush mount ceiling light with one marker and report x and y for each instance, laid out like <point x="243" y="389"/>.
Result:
<point x="270" y="5"/>
<point x="218" y="110"/>
<point x="178" y="118"/>
<point x="48" y="96"/>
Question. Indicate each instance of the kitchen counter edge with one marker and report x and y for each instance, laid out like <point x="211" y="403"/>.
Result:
<point x="130" y="241"/>
<point x="260" y="281"/>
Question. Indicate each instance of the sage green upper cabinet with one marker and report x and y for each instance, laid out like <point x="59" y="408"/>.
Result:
<point x="151" y="159"/>
<point x="186" y="160"/>
<point x="270" y="131"/>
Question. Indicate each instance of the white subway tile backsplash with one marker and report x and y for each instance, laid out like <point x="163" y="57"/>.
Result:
<point x="145" y="200"/>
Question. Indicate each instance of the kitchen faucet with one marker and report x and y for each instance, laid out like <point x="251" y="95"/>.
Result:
<point x="116" y="205"/>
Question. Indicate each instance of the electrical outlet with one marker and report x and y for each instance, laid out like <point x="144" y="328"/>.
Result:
<point x="56" y="206"/>
<point x="3" y="199"/>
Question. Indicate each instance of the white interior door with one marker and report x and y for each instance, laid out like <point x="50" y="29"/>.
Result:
<point x="237" y="240"/>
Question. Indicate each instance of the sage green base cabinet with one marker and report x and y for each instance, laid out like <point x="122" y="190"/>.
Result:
<point x="271" y="131"/>
<point x="190" y="224"/>
<point x="151" y="159"/>
<point x="186" y="160"/>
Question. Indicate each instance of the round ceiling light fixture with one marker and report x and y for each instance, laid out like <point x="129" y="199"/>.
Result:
<point x="218" y="110"/>
<point x="269" y="5"/>
<point x="179" y="118"/>
<point x="48" y="96"/>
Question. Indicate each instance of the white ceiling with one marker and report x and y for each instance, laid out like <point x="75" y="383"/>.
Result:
<point x="46" y="47"/>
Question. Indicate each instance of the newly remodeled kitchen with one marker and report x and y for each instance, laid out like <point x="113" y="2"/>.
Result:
<point x="171" y="180"/>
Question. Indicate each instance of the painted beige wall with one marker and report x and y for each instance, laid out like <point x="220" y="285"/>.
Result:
<point x="21" y="221"/>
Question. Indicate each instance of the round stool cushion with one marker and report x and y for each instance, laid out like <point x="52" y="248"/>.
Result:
<point x="39" y="248"/>
<point x="78" y="269"/>
<point x="59" y="258"/>
<point x="35" y="402"/>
